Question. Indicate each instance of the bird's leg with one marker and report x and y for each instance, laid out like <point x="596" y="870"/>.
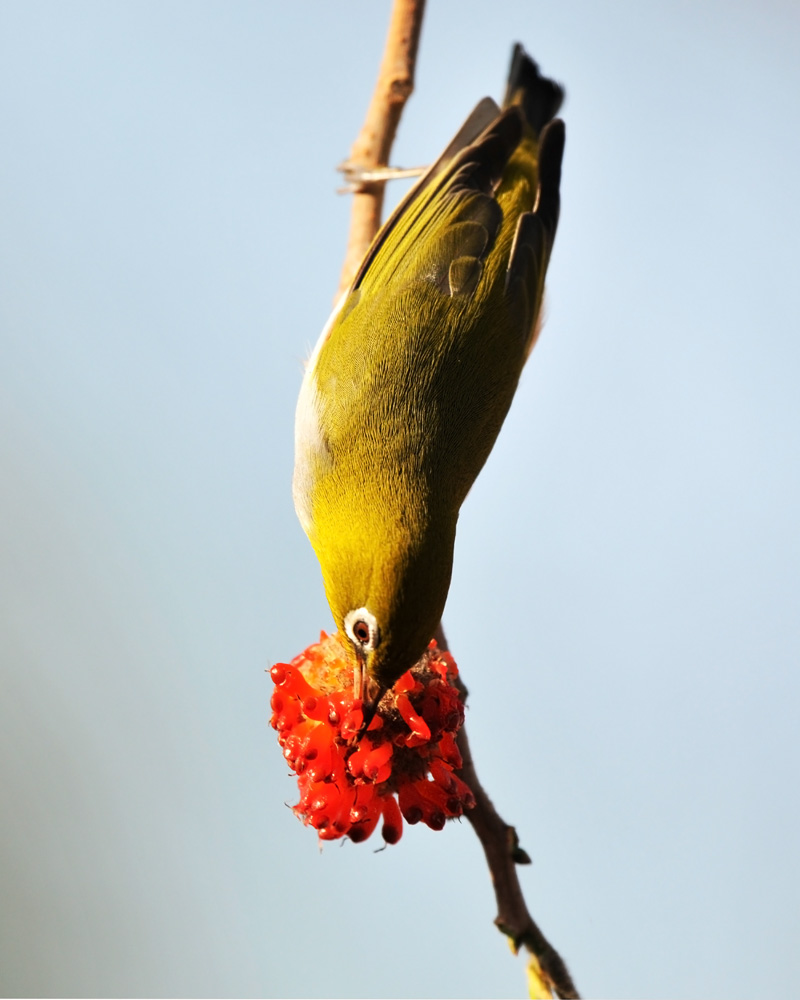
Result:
<point x="355" y="177"/>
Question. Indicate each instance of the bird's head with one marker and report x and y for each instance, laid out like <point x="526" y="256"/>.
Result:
<point x="387" y="600"/>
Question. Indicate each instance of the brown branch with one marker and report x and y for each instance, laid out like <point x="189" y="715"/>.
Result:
<point x="373" y="145"/>
<point x="503" y="853"/>
<point x="371" y="149"/>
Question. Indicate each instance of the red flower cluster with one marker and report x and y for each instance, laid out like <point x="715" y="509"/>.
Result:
<point x="400" y="768"/>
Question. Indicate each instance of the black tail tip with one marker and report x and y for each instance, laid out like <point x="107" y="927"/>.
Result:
<point x="539" y="97"/>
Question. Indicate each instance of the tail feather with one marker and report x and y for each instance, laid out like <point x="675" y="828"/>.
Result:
<point x="539" y="97"/>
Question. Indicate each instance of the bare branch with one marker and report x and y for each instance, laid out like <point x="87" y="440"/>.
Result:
<point x="503" y="853"/>
<point x="373" y="145"/>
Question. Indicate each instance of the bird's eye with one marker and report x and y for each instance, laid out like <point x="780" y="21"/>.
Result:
<point x="361" y="626"/>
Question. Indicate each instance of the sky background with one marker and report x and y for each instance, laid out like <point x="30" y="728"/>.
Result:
<point x="624" y="602"/>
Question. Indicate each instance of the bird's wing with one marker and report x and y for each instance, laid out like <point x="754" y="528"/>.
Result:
<point x="484" y="113"/>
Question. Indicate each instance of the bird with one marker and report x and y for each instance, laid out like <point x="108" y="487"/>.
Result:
<point x="412" y="377"/>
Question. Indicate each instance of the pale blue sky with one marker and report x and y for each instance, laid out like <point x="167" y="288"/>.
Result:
<point x="624" y="605"/>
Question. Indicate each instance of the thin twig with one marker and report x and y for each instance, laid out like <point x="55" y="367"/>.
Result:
<point x="503" y="853"/>
<point x="374" y="142"/>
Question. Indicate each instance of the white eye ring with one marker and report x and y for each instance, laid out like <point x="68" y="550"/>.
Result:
<point x="362" y="628"/>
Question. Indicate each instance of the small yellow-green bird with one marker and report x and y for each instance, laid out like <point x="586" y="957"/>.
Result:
<point x="412" y="377"/>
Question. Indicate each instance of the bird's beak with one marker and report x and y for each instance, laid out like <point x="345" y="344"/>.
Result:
<point x="367" y="689"/>
<point x="360" y="675"/>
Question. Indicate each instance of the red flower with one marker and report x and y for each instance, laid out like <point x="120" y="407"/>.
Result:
<point x="402" y="766"/>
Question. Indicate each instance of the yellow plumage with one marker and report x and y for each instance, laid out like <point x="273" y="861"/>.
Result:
<point x="412" y="378"/>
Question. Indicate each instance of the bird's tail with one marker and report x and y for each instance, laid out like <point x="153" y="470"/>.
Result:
<point x="539" y="97"/>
